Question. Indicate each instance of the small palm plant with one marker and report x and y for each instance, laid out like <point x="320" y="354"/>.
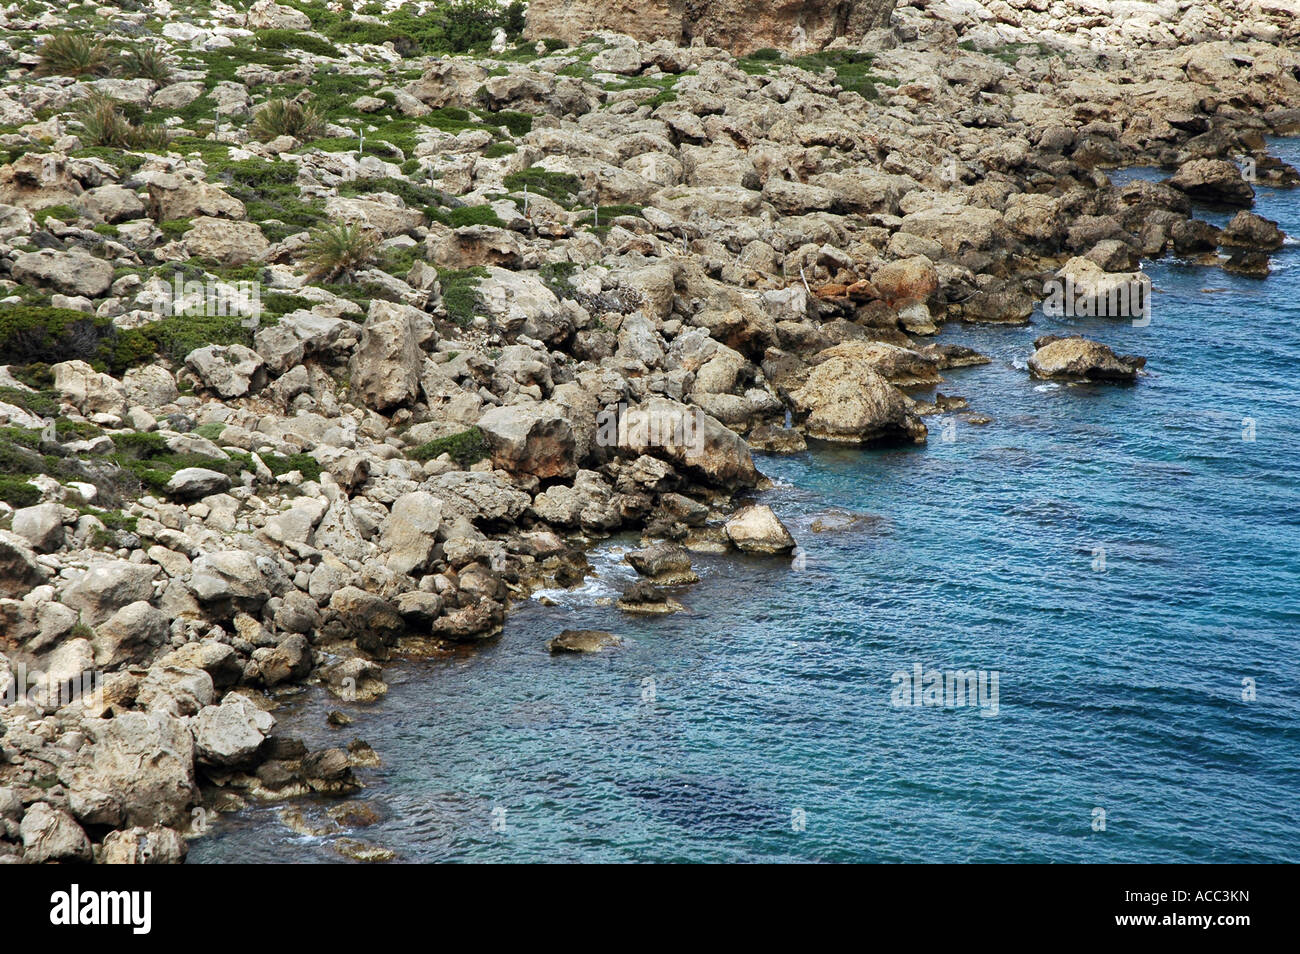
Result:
<point x="287" y="117"/>
<point x="145" y="62"/>
<point x="68" y="54"/>
<point x="336" y="251"/>
<point x="104" y="124"/>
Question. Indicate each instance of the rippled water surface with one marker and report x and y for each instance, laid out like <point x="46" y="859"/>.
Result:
<point x="709" y="732"/>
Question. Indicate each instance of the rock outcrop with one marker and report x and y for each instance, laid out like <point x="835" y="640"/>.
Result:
<point x="740" y="26"/>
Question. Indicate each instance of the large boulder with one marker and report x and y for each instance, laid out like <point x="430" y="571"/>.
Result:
<point x="1248" y="230"/>
<point x="236" y="579"/>
<point x="269" y="15"/>
<point x="740" y="26"/>
<point x="231" y="733"/>
<point x="172" y="197"/>
<point x="1078" y="358"/>
<point x="194" y="483"/>
<point x="686" y="437"/>
<point x="906" y="280"/>
<point x="230" y="371"/>
<point x="130" y="635"/>
<point x="226" y="242"/>
<point x="410" y="532"/>
<point x="139" y="770"/>
<point x="19" y="571"/>
<point x="388" y="218"/>
<point x="386" y="365"/>
<point x="41" y="526"/>
<point x="144" y="846"/>
<point x="757" y="529"/>
<point x="72" y="273"/>
<point x="845" y="400"/>
<point x="107" y="587"/>
<point x="530" y="439"/>
<point x="52" y="835"/>
<point x="88" y="390"/>
<point x="1214" y="181"/>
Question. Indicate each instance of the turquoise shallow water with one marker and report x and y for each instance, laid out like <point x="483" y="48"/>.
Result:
<point x="1118" y="689"/>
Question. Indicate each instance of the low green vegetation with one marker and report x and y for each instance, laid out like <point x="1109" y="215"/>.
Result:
<point x="466" y="448"/>
<point x="559" y="187"/>
<point x="446" y="26"/>
<point x="460" y="292"/>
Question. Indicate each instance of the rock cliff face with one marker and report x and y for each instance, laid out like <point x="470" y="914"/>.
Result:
<point x="740" y="26"/>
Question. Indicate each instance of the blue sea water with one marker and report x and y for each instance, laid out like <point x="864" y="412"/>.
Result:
<point x="1121" y="556"/>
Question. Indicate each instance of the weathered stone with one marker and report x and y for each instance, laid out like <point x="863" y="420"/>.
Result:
<point x="386" y="365"/>
<point x="1078" y="358"/>
<point x="757" y="529"/>
<point x="72" y="273"/>
<point x="225" y="242"/>
<point x="410" y="533"/>
<point x="41" y="526"/>
<point x="52" y="835"/>
<point x="88" y="390"/>
<point x="107" y="587"/>
<point x="229" y="370"/>
<point x="531" y="439"/>
<point x="192" y="483"/>
<point x="130" y="635"/>
<point x="139" y="770"/>
<point x="231" y="733"/>
<point x="740" y="26"/>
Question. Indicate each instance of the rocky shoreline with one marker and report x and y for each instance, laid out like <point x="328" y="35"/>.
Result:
<point x="317" y="349"/>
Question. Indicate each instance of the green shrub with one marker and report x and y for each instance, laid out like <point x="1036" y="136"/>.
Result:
<point x="211" y="430"/>
<point x="175" y="228"/>
<point x="499" y="149"/>
<point x="766" y="53"/>
<point x="519" y="124"/>
<point x="467" y="447"/>
<point x="460" y="292"/>
<point x="473" y="215"/>
<point x="64" y="213"/>
<point x="559" y="187"/>
<point x="40" y="403"/>
<point x="41" y="333"/>
<point x="280" y="303"/>
<point x="282" y="39"/>
<point x="18" y="491"/>
<point x="174" y="337"/>
<point x="305" y="464"/>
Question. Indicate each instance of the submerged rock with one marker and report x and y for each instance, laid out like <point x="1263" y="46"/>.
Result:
<point x="663" y="563"/>
<point x="647" y="599"/>
<point x="582" y="641"/>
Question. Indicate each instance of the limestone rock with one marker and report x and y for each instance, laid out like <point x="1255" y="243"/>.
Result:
<point x="1078" y="358"/>
<point x="757" y="529"/>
